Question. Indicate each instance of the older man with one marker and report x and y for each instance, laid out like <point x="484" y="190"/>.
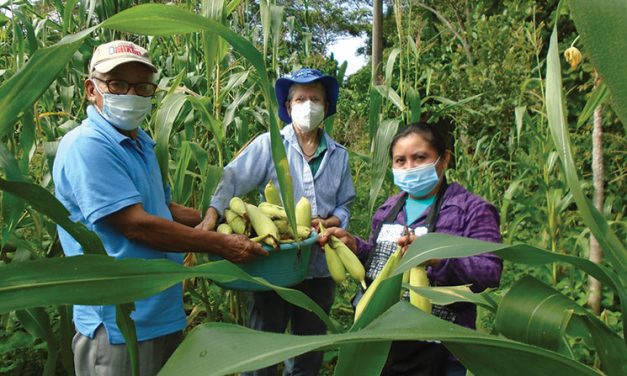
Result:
<point x="320" y="171"/>
<point x="106" y="175"/>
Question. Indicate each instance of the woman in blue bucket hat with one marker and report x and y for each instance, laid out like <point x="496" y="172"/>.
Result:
<point x="321" y="173"/>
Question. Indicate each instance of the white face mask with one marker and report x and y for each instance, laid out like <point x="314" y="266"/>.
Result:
<point x="307" y="116"/>
<point x="125" y="112"/>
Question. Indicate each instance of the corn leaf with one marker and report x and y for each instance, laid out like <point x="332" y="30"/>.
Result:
<point x="614" y="250"/>
<point x="380" y="158"/>
<point x="203" y="352"/>
<point x="599" y="24"/>
<point x="599" y="95"/>
<point x="127" y="328"/>
<point x="97" y="280"/>
<point x="164" y="120"/>
<point x="37" y="322"/>
<point x="22" y="90"/>
<point x="44" y="202"/>
<point x="443" y="295"/>
<point x="535" y="313"/>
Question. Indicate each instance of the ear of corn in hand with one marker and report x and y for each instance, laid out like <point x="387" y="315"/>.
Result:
<point x="390" y="265"/>
<point x="418" y="278"/>
<point x="238" y="224"/>
<point x="350" y="260"/>
<point x="224" y="228"/>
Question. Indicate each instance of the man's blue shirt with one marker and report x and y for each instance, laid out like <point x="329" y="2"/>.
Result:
<point x="99" y="171"/>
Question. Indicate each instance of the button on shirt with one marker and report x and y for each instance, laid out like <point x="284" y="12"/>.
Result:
<point x="329" y="189"/>
<point x="99" y="171"/>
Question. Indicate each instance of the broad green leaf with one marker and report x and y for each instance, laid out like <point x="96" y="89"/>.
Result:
<point x="213" y="175"/>
<point x="613" y="248"/>
<point x="37" y="322"/>
<point x="415" y="105"/>
<point x="213" y="10"/>
<point x="600" y="25"/>
<point x="44" y="202"/>
<point x="389" y="66"/>
<point x="535" y="313"/>
<point x="380" y="158"/>
<point x="98" y="280"/>
<point x="220" y="349"/>
<point x="164" y="120"/>
<point x="127" y="328"/>
<point x="434" y="245"/>
<point x="370" y="356"/>
<point x="444" y="295"/>
<point x="22" y="90"/>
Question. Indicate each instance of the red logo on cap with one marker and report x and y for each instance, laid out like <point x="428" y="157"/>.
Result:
<point x="126" y="49"/>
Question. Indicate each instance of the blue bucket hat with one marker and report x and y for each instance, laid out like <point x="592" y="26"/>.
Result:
<point x="306" y="76"/>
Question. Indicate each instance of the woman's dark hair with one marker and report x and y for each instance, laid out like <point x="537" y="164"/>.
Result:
<point x="437" y="134"/>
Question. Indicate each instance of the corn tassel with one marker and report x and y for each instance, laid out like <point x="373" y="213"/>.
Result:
<point x="389" y="267"/>
<point x="418" y="278"/>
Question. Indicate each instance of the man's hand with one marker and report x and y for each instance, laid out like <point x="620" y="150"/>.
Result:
<point x="239" y="249"/>
<point x="209" y="222"/>
<point x="332" y="221"/>
<point x="339" y="233"/>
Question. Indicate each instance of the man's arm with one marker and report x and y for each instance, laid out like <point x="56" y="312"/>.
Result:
<point x="159" y="233"/>
<point x="184" y="215"/>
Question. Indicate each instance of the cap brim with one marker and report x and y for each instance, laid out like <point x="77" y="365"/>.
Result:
<point x="108" y="65"/>
<point x="282" y="87"/>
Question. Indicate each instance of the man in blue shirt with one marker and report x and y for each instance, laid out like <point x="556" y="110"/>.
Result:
<point x="321" y="173"/>
<point x="106" y="175"/>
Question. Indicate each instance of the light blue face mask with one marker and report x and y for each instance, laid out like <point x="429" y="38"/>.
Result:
<point x="125" y="112"/>
<point x="418" y="181"/>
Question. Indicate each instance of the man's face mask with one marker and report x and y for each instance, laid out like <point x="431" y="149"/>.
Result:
<point x="307" y="116"/>
<point x="417" y="181"/>
<point x="125" y="112"/>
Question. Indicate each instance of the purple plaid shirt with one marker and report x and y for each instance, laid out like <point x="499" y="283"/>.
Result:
<point x="463" y="214"/>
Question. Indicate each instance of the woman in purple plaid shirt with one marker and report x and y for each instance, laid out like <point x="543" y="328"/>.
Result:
<point x="420" y="155"/>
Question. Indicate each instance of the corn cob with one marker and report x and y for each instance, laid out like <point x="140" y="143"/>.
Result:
<point x="237" y="223"/>
<point x="224" y="228"/>
<point x="264" y="227"/>
<point x="390" y="265"/>
<point x="237" y="205"/>
<point x="418" y="278"/>
<point x="352" y="264"/>
<point x="272" y="211"/>
<point x="303" y="212"/>
<point x="336" y="268"/>
<point x="272" y="194"/>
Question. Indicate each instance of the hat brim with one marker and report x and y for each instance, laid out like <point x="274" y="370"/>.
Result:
<point x="282" y="87"/>
<point x="108" y="65"/>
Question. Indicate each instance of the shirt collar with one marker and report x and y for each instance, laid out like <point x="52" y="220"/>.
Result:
<point x="102" y="124"/>
<point x="290" y="135"/>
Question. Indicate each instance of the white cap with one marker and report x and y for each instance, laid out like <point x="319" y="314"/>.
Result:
<point x="109" y="55"/>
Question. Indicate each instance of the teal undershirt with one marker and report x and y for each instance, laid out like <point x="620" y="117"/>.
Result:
<point x="415" y="207"/>
<point x="316" y="160"/>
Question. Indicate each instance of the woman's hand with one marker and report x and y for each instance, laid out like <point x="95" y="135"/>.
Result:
<point x="332" y="221"/>
<point x="339" y="233"/>
<point x="405" y="241"/>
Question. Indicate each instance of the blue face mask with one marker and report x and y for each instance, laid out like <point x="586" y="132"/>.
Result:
<point x="125" y="112"/>
<point x="418" y="181"/>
